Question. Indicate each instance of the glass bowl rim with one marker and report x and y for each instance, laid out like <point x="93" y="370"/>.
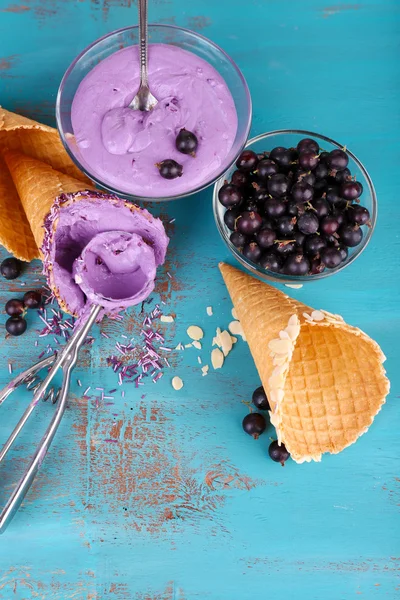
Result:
<point x="126" y="195"/>
<point x="281" y="277"/>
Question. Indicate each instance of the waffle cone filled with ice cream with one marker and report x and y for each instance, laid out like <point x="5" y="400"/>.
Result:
<point x="324" y="379"/>
<point x="95" y="247"/>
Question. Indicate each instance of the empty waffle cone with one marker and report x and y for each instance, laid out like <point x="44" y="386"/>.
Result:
<point x="38" y="185"/>
<point x="37" y="141"/>
<point x="324" y="379"/>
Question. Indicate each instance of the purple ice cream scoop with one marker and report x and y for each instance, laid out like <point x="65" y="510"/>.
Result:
<point x="121" y="147"/>
<point x="100" y="249"/>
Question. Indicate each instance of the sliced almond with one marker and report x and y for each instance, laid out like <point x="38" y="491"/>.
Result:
<point x="294" y="320"/>
<point x="279" y="346"/>
<point x="195" y="332"/>
<point x="293" y="331"/>
<point x="167" y="319"/>
<point x="234" y="339"/>
<point x="209" y="311"/>
<point x="196" y="344"/>
<point x="216" y="339"/>
<point x="235" y="327"/>
<point x="294" y="286"/>
<point x="226" y="342"/>
<point x="284" y="335"/>
<point x="217" y="358"/>
<point x="234" y="314"/>
<point x="317" y="315"/>
<point x="188" y="345"/>
<point x="199" y="360"/>
<point x="205" y="370"/>
<point x="177" y="383"/>
<point x="179" y="347"/>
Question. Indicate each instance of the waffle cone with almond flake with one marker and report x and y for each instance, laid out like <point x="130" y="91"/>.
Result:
<point x="36" y="141"/>
<point x="324" y="378"/>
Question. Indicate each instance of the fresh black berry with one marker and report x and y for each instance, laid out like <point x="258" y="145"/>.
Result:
<point x="261" y="194"/>
<point x="329" y="225"/>
<point x="323" y="157"/>
<point x="247" y="161"/>
<point x="285" y="225"/>
<point x="302" y="192"/>
<point x="343" y="252"/>
<point x="266" y="168"/>
<point x="249" y="223"/>
<point x="350" y="235"/>
<point x="308" y="223"/>
<point x="317" y="266"/>
<point x="338" y="160"/>
<point x="186" y="142"/>
<point x="333" y="196"/>
<point x="32" y="299"/>
<point x="308" y="145"/>
<point x="301" y="176"/>
<point x="265" y="238"/>
<point x="238" y="239"/>
<point x="351" y="190"/>
<point x="340" y="216"/>
<point x="320" y="187"/>
<point x="321" y="207"/>
<point x="271" y="262"/>
<point x="274" y="208"/>
<point x="308" y="160"/>
<point x="10" y="268"/>
<point x="292" y="208"/>
<point x="240" y="178"/>
<point x="296" y="264"/>
<point x="15" y="307"/>
<point x="169" y="169"/>
<point x="230" y="218"/>
<point x="16" y="326"/>
<point x="254" y="424"/>
<point x="313" y="245"/>
<point x="358" y="214"/>
<point x="342" y="176"/>
<point x="281" y="156"/>
<point x="284" y="247"/>
<point x="278" y="185"/>
<point x="278" y="453"/>
<point x="331" y="257"/>
<point x="229" y="195"/>
<point x="299" y="238"/>
<point x="321" y="171"/>
<point x="252" y="251"/>
<point x="260" y="399"/>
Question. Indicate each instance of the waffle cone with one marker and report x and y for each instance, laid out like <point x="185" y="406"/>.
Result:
<point x="324" y="378"/>
<point x="38" y="185"/>
<point x="38" y="141"/>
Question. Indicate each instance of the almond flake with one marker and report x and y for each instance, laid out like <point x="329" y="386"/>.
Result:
<point x="284" y="335"/>
<point x="279" y="346"/>
<point x="294" y="286"/>
<point x="209" y="311"/>
<point x="199" y="360"/>
<point x="179" y="347"/>
<point x="226" y="342"/>
<point x="205" y="370"/>
<point x="188" y="345"/>
<point x="196" y="344"/>
<point x="167" y="319"/>
<point x="217" y="358"/>
<point x="234" y="314"/>
<point x="317" y="315"/>
<point x="293" y="320"/>
<point x="279" y="360"/>
<point x="308" y="317"/>
<point x="235" y="327"/>
<point x="177" y="383"/>
<point x="293" y="331"/>
<point x="276" y="396"/>
<point x="234" y="339"/>
<point x="195" y="332"/>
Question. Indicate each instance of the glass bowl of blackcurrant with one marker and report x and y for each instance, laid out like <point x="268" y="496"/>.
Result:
<point x="296" y="206"/>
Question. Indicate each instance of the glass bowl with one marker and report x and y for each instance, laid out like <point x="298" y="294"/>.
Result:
<point x="290" y="138"/>
<point x="167" y="34"/>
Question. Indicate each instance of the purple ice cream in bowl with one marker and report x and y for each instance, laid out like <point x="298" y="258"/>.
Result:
<point x="142" y="155"/>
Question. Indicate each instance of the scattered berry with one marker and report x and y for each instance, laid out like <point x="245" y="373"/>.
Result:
<point x="32" y="299"/>
<point x="15" y="307"/>
<point x="278" y="453"/>
<point x="186" y="142"/>
<point x="10" y="268"/>
<point x="260" y="399"/>
<point x="16" y="326"/>
<point x="254" y="424"/>
<point x="169" y="169"/>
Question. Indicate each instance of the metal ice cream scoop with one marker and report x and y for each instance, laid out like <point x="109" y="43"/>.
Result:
<point x="144" y="99"/>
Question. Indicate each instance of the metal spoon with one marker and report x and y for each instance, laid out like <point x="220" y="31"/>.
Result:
<point x="144" y="99"/>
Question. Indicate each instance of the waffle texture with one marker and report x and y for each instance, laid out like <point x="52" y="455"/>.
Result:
<point x="324" y="378"/>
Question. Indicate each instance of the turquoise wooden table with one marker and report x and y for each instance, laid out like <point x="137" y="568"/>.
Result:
<point x="160" y="495"/>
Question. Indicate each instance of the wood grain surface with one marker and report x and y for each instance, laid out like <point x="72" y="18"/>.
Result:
<point x="160" y="495"/>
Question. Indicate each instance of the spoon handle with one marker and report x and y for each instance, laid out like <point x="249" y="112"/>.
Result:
<point x="142" y="5"/>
